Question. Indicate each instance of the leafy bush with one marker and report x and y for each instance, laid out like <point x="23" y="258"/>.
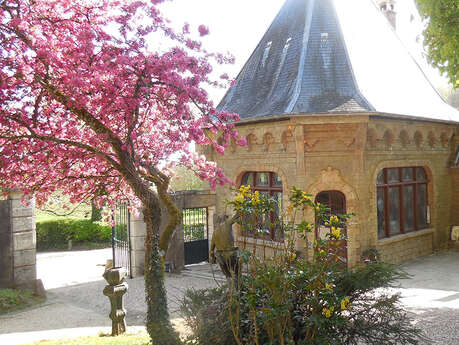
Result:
<point x="289" y="300"/>
<point x="56" y="233"/>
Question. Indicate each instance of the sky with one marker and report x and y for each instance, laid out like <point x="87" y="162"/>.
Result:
<point x="236" y="26"/>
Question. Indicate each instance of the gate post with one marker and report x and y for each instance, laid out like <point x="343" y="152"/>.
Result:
<point x="138" y="231"/>
<point x="18" y="230"/>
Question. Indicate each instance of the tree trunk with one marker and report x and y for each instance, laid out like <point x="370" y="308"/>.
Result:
<point x="158" y="324"/>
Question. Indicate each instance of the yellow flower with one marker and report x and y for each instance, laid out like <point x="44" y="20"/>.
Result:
<point x="345" y="303"/>
<point x="336" y="232"/>
<point x="256" y="198"/>
<point x="322" y="252"/>
<point x="239" y="198"/>
<point x="327" y="312"/>
<point x="329" y="286"/>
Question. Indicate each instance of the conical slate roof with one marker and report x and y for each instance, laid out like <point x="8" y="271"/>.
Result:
<point x="333" y="56"/>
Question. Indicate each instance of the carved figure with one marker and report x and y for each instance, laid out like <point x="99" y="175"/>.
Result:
<point x="222" y="249"/>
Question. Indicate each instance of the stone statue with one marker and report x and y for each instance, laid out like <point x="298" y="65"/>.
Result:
<point x="222" y="249"/>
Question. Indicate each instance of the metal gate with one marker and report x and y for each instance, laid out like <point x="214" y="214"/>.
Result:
<point x="196" y="232"/>
<point x="121" y="239"/>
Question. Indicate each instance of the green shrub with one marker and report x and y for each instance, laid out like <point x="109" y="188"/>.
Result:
<point x="289" y="300"/>
<point x="56" y="233"/>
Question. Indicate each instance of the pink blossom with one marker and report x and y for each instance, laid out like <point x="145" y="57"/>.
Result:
<point x="203" y="30"/>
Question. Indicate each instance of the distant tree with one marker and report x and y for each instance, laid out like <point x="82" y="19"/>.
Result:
<point x="441" y="36"/>
<point x="185" y="179"/>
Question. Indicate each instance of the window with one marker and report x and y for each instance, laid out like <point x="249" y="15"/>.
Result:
<point x="336" y="202"/>
<point x="401" y="201"/>
<point x="267" y="183"/>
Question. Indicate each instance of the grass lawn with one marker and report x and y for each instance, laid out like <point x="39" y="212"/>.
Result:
<point x="129" y="339"/>
<point x="16" y="299"/>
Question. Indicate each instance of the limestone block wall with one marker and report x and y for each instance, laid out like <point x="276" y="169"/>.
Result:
<point x="345" y="153"/>
<point x="18" y="229"/>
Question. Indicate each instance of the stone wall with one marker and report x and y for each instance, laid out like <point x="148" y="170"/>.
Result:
<point x="18" y="258"/>
<point x="175" y="257"/>
<point x="345" y="153"/>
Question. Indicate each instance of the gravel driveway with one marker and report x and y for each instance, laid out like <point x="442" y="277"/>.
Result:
<point x="76" y="305"/>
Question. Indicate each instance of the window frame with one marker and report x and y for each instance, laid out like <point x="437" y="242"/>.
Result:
<point x="271" y="188"/>
<point x="386" y="185"/>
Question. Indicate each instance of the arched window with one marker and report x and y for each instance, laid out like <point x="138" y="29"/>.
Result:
<point x="268" y="183"/>
<point x="402" y="202"/>
<point x="334" y="200"/>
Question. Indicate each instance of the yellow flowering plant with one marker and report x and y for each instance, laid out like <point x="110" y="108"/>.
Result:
<point x="290" y="299"/>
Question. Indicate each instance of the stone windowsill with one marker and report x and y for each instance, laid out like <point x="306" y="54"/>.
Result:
<point x="403" y="237"/>
<point x="259" y="242"/>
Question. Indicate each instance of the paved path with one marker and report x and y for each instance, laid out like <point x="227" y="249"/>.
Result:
<point x="77" y="307"/>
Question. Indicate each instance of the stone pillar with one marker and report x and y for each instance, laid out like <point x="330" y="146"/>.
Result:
<point x="18" y="229"/>
<point x="137" y="236"/>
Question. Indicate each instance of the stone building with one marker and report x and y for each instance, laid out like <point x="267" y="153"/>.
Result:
<point x="331" y="102"/>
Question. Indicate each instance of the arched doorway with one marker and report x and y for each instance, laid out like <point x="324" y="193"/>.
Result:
<point x="335" y="201"/>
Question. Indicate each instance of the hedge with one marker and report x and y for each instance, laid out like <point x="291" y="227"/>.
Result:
<point x="57" y="233"/>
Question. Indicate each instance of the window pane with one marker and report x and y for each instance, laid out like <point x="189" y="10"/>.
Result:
<point x="277" y="180"/>
<point x="407" y="174"/>
<point x="392" y="175"/>
<point x="247" y="179"/>
<point x="381" y="214"/>
<point x="262" y="179"/>
<point x="408" y="207"/>
<point x="421" y="174"/>
<point x="337" y="205"/>
<point x="323" y="198"/>
<point x="394" y="211"/>
<point x="421" y="205"/>
<point x="380" y="178"/>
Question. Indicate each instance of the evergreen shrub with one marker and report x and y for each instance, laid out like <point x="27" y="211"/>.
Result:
<point x="57" y="233"/>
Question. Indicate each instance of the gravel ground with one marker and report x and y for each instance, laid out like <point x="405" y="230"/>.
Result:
<point x="76" y="307"/>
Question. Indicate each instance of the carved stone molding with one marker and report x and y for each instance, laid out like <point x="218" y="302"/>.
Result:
<point x="268" y="140"/>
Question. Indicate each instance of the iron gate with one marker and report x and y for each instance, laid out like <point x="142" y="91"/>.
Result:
<point x="121" y="239"/>
<point x="196" y="232"/>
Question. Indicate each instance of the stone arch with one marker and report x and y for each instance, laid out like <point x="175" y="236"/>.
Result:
<point x="237" y="176"/>
<point x="404" y="138"/>
<point x="331" y="179"/>
<point x="372" y="137"/>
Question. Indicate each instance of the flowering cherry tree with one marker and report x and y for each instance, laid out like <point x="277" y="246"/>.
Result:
<point x="89" y="106"/>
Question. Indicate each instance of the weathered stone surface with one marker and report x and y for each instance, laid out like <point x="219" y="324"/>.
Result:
<point x="25" y="275"/>
<point x="21" y="224"/>
<point x="24" y="240"/>
<point x="138" y="228"/>
<point x="137" y="243"/>
<point x="345" y="153"/>
<point x="21" y="210"/>
<point x="24" y="258"/>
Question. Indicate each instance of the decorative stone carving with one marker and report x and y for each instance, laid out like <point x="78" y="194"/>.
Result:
<point x="444" y="139"/>
<point x="268" y="140"/>
<point x="372" y="137"/>
<point x="115" y="291"/>
<point x="404" y="138"/>
<point x="418" y="139"/>
<point x="233" y="146"/>
<point x="432" y="140"/>
<point x="330" y="137"/>
<point x="389" y="138"/>
<point x="287" y="138"/>
<point x="251" y="141"/>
